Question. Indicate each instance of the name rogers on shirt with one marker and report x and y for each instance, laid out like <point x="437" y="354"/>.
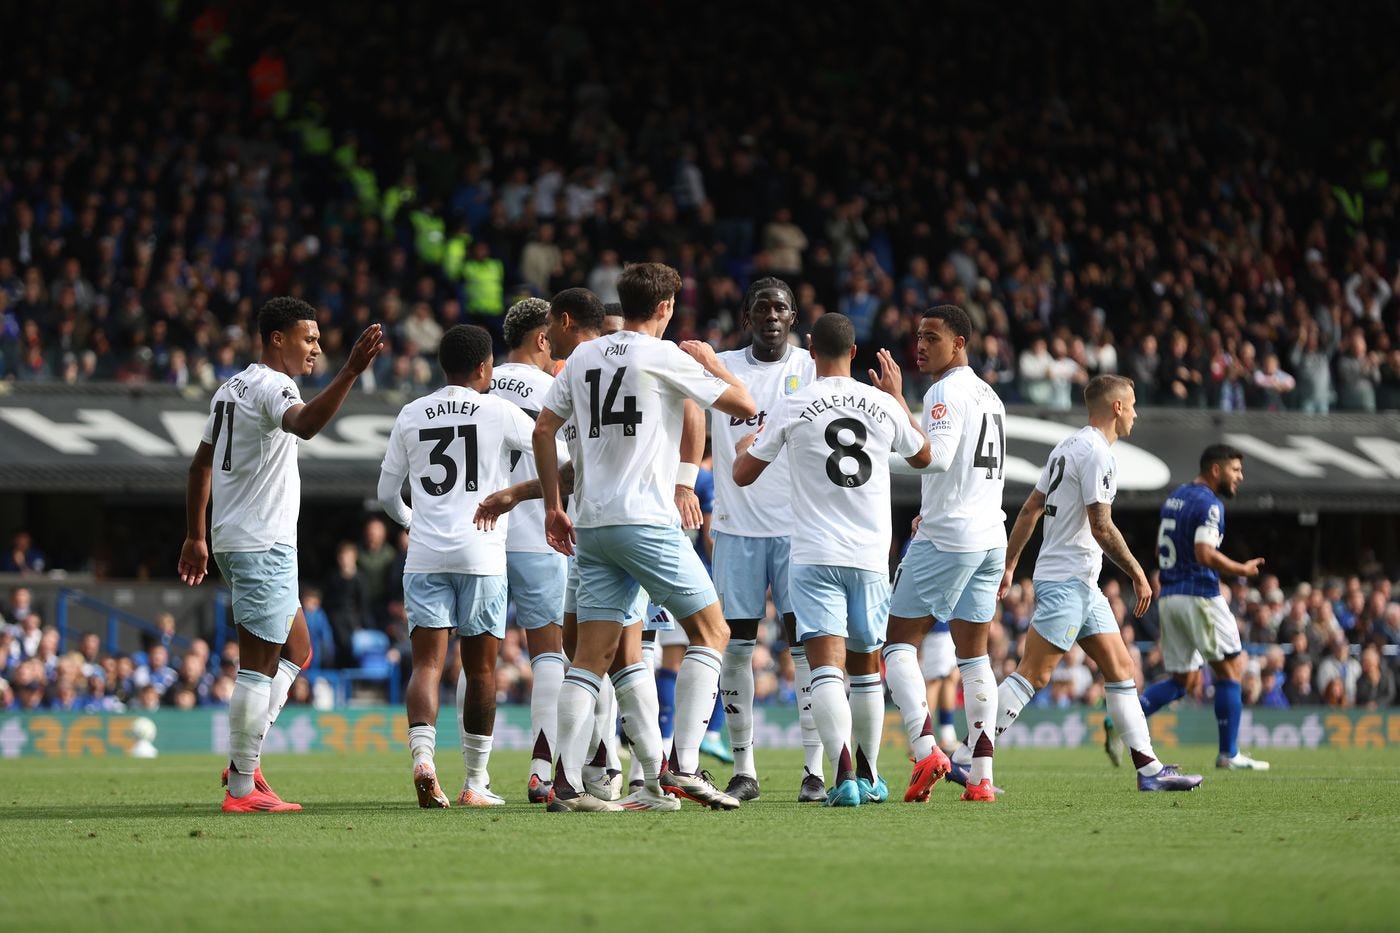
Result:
<point x="844" y="401"/>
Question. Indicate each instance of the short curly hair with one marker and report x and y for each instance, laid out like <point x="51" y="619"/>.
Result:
<point x="281" y="313"/>
<point x="525" y="315"/>
<point x="463" y="348"/>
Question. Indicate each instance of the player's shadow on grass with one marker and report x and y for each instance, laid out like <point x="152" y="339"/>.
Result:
<point x="190" y="809"/>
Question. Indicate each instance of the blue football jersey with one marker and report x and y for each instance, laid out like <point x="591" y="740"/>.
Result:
<point x="1191" y="513"/>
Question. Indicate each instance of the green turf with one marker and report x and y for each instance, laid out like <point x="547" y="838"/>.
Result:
<point x="121" y="844"/>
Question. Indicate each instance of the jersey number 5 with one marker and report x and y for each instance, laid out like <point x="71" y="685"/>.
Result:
<point x="438" y="457"/>
<point x="1166" y="549"/>
<point x="629" y="417"/>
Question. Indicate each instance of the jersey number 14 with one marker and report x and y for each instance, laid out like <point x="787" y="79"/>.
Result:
<point x="628" y="416"/>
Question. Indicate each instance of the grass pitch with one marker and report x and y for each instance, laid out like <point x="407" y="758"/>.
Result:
<point x="122" y="844"/>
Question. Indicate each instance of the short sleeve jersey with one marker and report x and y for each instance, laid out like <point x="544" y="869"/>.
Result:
<point x="764" y="509"/>
<point x="526" y="386"/>
<point x="455" y="447"/>
<point x="1191" y="514"/>
<point x="1081" y="472"/>
<point x="962" y="506"/>
<point x="626" y="394"/>
<point x="256" y="484"/>
<point x="839" y="434"/>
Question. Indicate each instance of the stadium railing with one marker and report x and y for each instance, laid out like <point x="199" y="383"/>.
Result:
<point x="115" y="618"/>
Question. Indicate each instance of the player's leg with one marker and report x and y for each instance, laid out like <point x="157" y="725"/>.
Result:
<point x="745" y="568"/>
<point x="668" y="669"/>
<point x="819" y="597"/>
<point x="1221" y="648"/>
<point x="429" y="649"/>
<point x="538" y="584"/>
<point x="918" y="585"/>
<point x="1179" y="655"/>
<point x="481" y="626"/>
<point x="970" y="614"/>
<point x="635" y="689"/>
<point x="736" y="687"/>
<point x="295" y="657"/>
<point x="868" y="612"/>
<point x="1103" y="643"/>
<point x="263" y="586"/>
<point x="943" y="697"/>
<point x="813" y="788"/>
<point x="604" y="593"/>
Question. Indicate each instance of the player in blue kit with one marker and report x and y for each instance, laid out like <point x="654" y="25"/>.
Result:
<point x="1196" y="621"/>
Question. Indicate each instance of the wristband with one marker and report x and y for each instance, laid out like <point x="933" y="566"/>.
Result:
<point x="686" y="474"/>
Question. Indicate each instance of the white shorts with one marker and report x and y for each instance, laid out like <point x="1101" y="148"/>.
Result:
<point x="1196" y="628"/>
<point x="937" y="657"/>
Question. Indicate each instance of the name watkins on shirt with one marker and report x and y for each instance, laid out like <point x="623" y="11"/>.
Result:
<point x="451" y="407"/>
<point x="853" y="402"/>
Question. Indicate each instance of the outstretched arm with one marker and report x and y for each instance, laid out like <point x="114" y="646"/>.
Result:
<point x="503" y="500"/>
<point x="306" y="421"/>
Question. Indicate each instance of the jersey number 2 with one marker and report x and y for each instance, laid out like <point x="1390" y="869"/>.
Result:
<point x="438" y="457"/>
<point x="1057" y="474"/>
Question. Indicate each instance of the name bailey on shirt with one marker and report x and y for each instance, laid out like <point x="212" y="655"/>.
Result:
<point x="450" y="407"/>
<point x="855" y="402"/>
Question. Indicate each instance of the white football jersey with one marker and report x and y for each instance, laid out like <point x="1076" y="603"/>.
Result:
<point x="1081" y="471"/>
<point x="962" y="506"/>
<point x="256" y="486"/>
<point x="839" y="434"/>
<point x="526" y="386"/>
<point x="764" y="509"/>
<point x="626" y="394"/>
<point x="455" y="446"/>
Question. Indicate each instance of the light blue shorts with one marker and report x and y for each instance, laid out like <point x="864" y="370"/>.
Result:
<point x="537" y="587"/>
<point x="615" y="561"/>
<point x="745" y="568"/>
<point x="264" y="589"/>
<point x="1066" y="611"/>
<point x="947" y="584"/>
<point x="468" y="603"/>
<point x="843" y="601"/>
<point x="641" y="608"/>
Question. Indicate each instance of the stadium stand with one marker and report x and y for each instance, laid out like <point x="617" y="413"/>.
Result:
<point x="1158" y="210"/>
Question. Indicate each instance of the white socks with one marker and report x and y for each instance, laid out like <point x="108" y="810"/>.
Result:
<point x="907" y="689"/>
<point x="696" y="687"/>
<point x="1012" y="696"/>
<point x="980" y="695"/>
<point x="651" y="655"/>
<point x="867" y="722"/>
<point x="811" y="738"/>
<point x="1126" y="710"/>
<point x="736" y="687"/>
<point x="548" y="676"/>
<point x="476" y="754"/>
<point x="578" y="698"/>
<point x="281" y="685"/>
<point x="636" y="699"/>
<point x="832" y="715"/>
<point x="422" y="740"/>
<point x="247" y="724"/>
<point x="604" y="723"/>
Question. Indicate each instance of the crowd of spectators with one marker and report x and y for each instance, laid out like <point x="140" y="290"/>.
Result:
<point x="1179" y="205"/>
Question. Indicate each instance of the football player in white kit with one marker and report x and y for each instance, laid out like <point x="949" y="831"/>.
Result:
<point x="1075" y="492"/>
<point x="535" y="571"/>
<point x="751" y="527"/>
<point x="626" y="393"/>
<point x="247" y="460"/>
<point x="452" y="446"/>
<point x="839" y="435"/>
<point x="954" y="564"/>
